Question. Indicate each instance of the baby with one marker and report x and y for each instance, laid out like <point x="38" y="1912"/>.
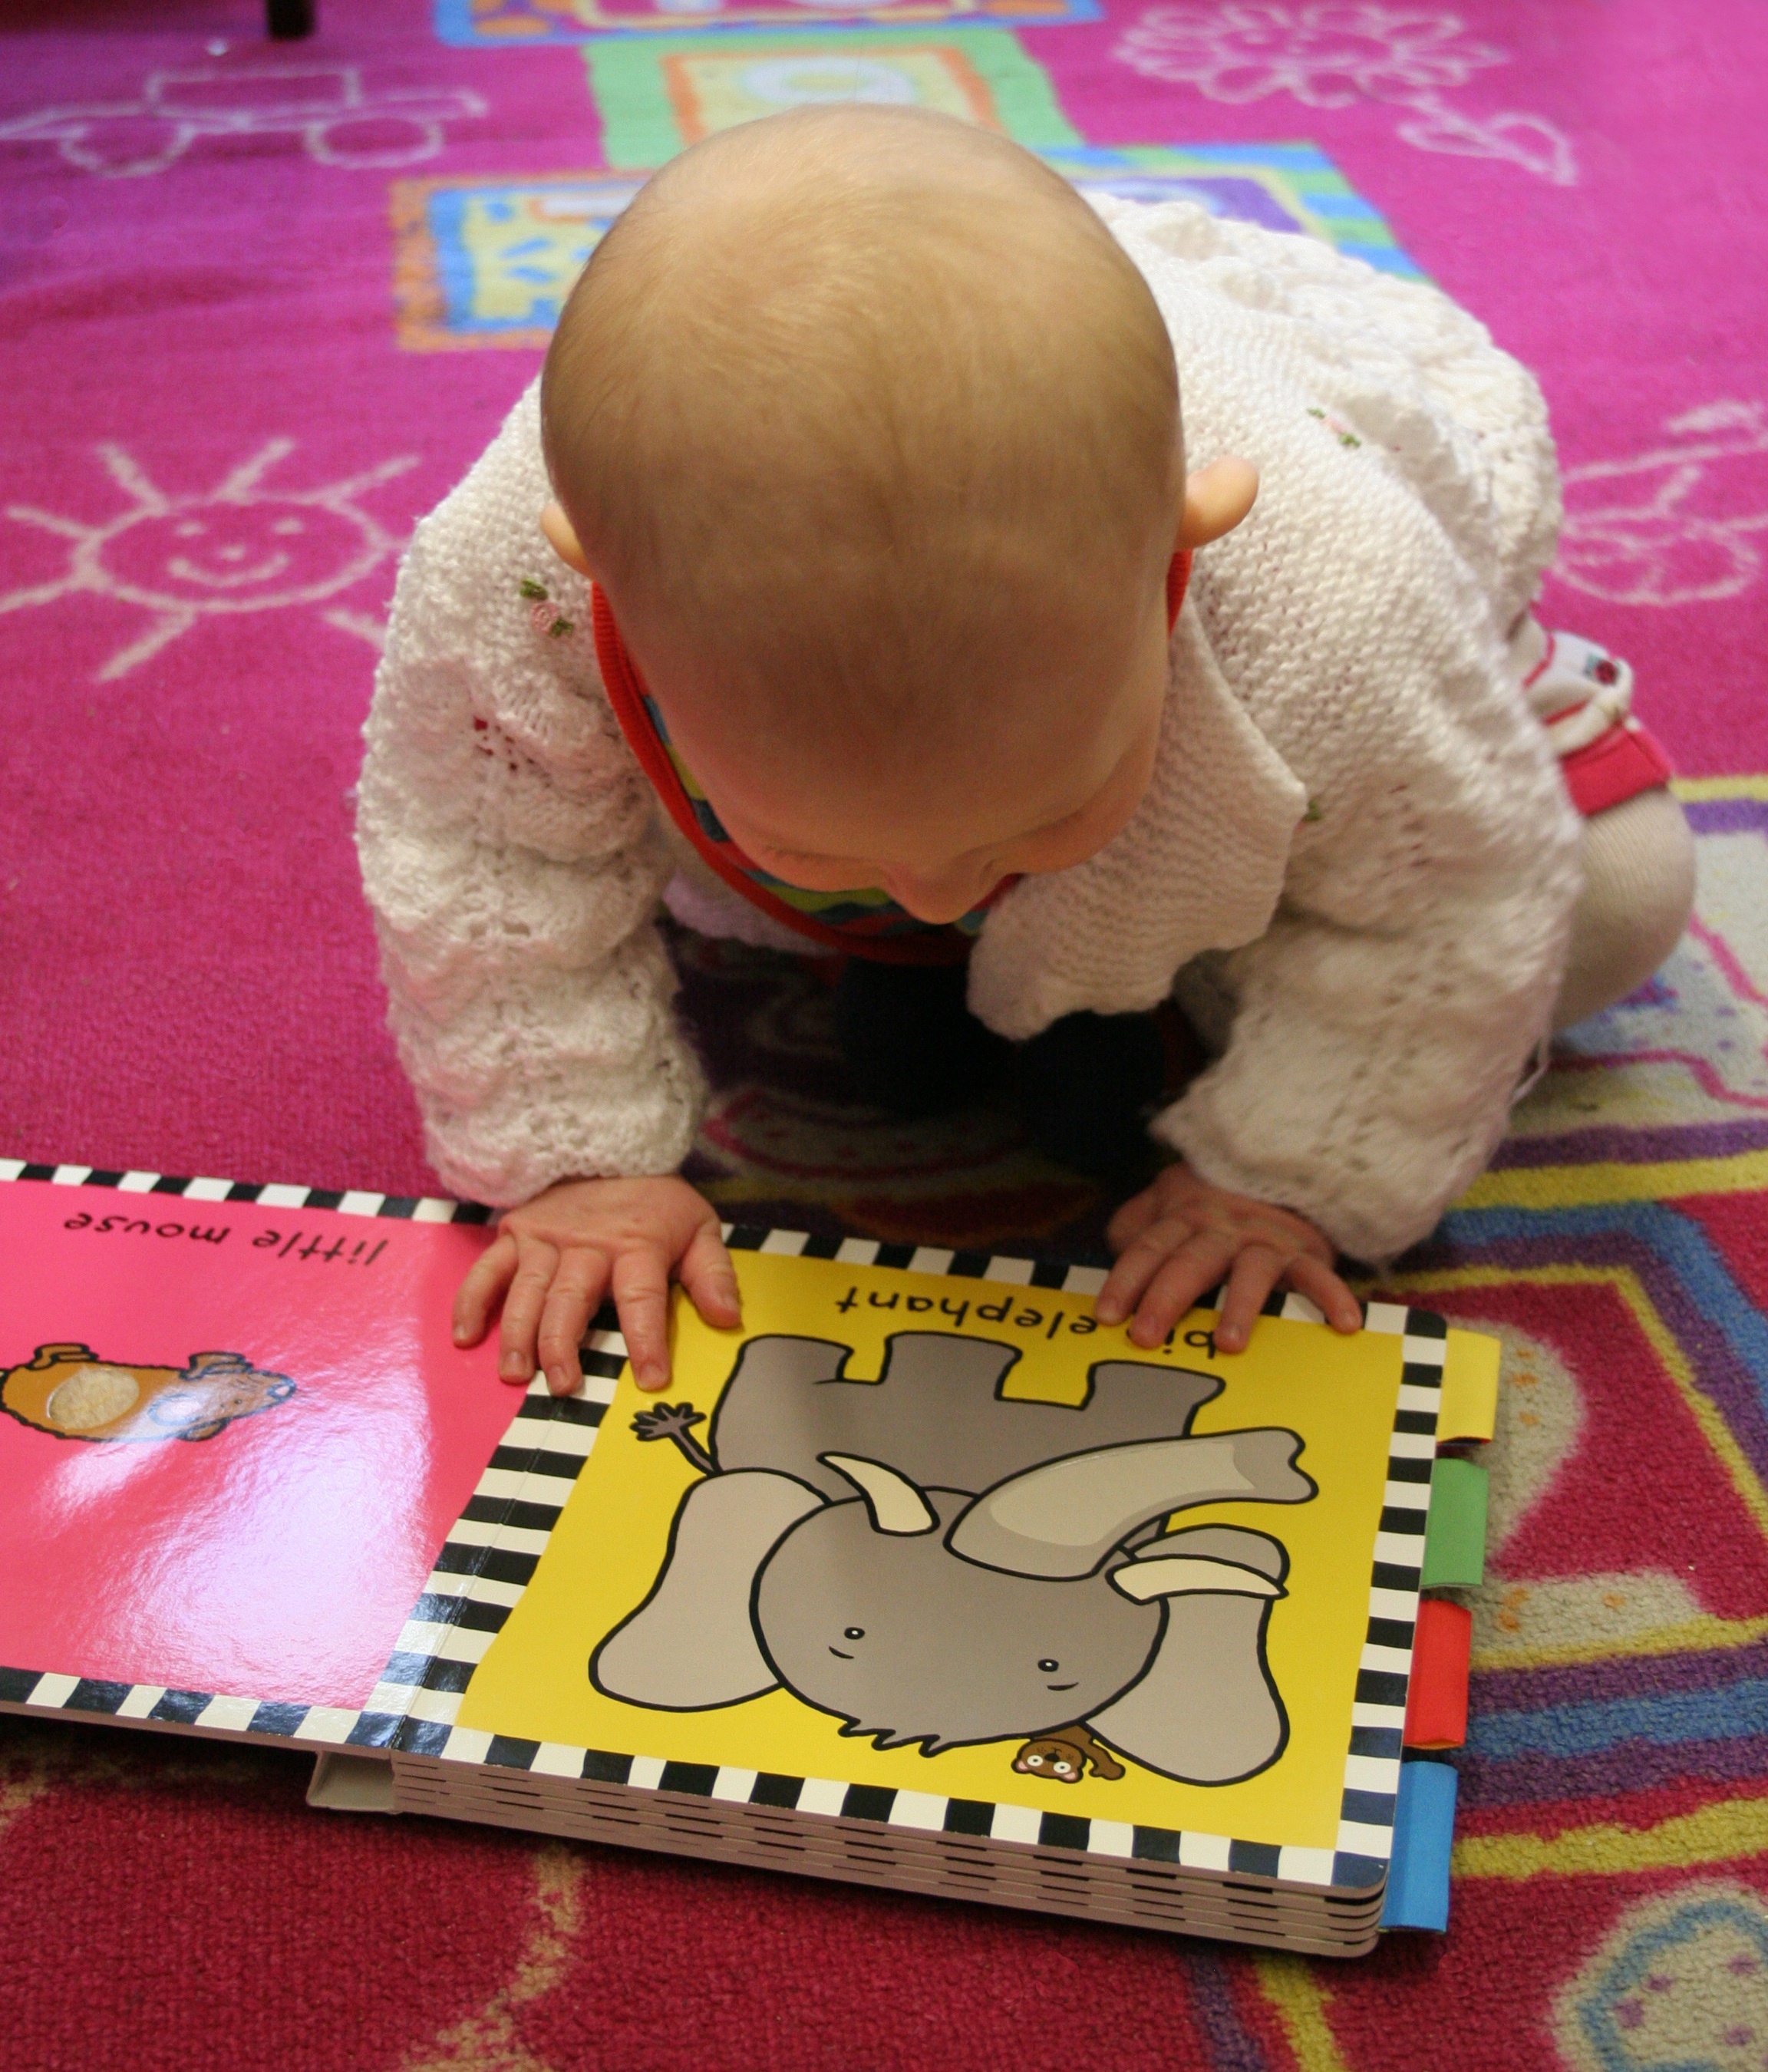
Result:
<point x="866" y="617"/>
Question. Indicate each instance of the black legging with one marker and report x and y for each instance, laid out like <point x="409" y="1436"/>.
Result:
<point x="1084" y="1086"/>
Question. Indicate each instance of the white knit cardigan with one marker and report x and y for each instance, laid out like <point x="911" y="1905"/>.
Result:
<point x="1349" y="799"/>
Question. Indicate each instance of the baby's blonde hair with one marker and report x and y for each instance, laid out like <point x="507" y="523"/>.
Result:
<point x="872" y="404"/>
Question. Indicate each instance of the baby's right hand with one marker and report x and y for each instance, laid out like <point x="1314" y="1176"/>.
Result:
<point x="557" y="1257"/>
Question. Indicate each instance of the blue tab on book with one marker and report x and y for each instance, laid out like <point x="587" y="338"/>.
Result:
<point x="1424" y="1828"/>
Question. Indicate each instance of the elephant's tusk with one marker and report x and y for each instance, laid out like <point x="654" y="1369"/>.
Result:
<point x="896" y="1506"/>
<point x="1172" y="1576"/>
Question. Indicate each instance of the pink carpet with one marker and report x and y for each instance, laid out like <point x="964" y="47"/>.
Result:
<point x="189" y="983"/>
<point x="230" y="381"/>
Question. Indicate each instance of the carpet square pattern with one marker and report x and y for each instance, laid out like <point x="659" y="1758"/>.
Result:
<point x="492" y="22"/>
<point x="480" y="261"/>
<point x="658" y="94"/>
<point x="261" y="304"/>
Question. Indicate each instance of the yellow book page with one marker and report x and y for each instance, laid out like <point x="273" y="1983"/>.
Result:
<point x="1299" y="1393"/>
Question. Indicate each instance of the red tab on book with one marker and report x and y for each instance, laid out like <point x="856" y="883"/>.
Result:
<point x="1437" y="1696"/>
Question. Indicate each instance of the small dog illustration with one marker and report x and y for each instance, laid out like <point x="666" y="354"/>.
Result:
<point x="1062" y="1757"/>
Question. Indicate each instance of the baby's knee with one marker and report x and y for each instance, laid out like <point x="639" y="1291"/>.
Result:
<point x="1638" y="892"/>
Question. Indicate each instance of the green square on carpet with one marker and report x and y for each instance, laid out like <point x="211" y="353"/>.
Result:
<point x="658" y="94"/>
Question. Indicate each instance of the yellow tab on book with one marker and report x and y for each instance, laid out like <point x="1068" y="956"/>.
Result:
<point x="1469" y="1400"/>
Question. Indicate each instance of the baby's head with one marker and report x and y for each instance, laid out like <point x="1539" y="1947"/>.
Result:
<point x="870" y="433"/>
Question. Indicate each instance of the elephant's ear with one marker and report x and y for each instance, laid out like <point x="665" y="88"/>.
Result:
<point x="690" y="1645"/>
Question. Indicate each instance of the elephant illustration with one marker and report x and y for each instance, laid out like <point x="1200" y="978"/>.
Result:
<point x="935" y="1563"/>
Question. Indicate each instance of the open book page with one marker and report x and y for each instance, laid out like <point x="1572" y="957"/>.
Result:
<point x="237" y="1433"/>
<point x="952" y="1538"/>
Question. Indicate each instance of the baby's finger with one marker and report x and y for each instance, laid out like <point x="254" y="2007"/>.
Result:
<point x="641" y="1294"/>
<point x="1132" y="1218"/>
<point x="1255" y="1272"/>
<point x="1313" y="1278"/>
<point x="536" y="1262"/>
<point x="1196" y="1267"/>
<point x="573" y="1298"/>
<point x="710" y="1279"/>
<point x="479" y="1293"/>
<point x="1137" y="1265"/>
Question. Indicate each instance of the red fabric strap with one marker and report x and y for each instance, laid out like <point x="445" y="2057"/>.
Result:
<point x="1179" y="577"/>
<point x="1616" y="766"/>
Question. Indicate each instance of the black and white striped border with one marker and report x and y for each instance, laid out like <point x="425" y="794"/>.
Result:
<point x="413" y="1208"/>
<point x="207" y="1712"/>
<point x="1378" y="1712"/>
<point x="492" y="1551"/>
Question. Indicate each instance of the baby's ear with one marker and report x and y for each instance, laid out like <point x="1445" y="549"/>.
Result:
<point x="561" y="536"/>
<point x="1216" y="499"/>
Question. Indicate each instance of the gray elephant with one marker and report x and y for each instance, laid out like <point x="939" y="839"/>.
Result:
<point x="934" y="1563"/>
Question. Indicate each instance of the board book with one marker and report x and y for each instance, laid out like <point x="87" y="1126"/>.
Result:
<point x="923" y="1578"/>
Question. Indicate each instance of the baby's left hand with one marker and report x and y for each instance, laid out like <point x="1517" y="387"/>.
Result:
<point x="1180" y="1237"/>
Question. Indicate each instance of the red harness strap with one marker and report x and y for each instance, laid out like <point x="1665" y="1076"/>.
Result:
<point x="1614" y="768"/>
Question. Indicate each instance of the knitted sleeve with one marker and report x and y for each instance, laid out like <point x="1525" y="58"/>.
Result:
<point x="510" y="855"/>
<point x="1384" y="1021"/>
<point x="1369" y="1122"/>
<point x="1409" y="497"/>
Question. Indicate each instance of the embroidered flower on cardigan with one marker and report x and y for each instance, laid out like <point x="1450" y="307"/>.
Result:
<point x="1332" y="424"/>
<point x="543" y="615"/>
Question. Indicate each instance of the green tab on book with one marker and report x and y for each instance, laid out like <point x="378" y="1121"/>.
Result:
<point x="1455" y="1537"/>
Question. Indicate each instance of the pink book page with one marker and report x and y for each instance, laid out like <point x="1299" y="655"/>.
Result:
<point x="235" y="1436"/>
